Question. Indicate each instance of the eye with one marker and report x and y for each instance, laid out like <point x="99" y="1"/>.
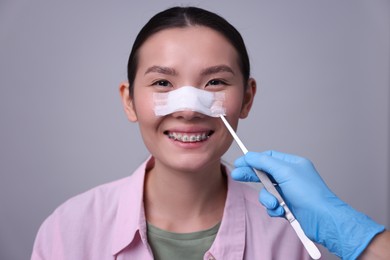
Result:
<point x="162" y="83"/>
<point x="215" y="82"/>
<point x="216" y="85"/>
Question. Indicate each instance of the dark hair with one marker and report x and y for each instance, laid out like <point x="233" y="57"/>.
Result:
<point x="179" y="17"/>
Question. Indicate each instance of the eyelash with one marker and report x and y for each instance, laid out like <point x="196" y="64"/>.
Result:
<point x="215" y="83"/>
<point x="162" y="83"/>
<point x="219" y="81"/>
<point x="212" y="83"/>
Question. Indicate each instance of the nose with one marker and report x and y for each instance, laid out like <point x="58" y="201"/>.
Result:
<point x="187" y="114"/>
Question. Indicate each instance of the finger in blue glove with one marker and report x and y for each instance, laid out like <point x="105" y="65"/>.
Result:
<point x="271" y="204"/>
<point x="323" y="216"/>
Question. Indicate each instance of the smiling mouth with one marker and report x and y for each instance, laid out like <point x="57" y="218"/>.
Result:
<point x="188" y="137"/>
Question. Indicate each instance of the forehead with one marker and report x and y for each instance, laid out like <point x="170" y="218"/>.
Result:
<point x="185" y="47"/>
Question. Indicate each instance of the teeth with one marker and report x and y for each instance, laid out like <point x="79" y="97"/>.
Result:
<point x="188" y="138"/>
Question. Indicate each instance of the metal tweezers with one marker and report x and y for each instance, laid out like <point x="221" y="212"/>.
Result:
<point x="268" y="185"/>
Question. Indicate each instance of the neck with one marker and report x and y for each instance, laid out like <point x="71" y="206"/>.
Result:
<point x="184" y="202"/>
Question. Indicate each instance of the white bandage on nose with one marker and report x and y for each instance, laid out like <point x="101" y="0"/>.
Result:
<point x="189" y="98"/>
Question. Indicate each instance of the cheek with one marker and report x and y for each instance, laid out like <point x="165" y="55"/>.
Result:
<point x="144" y="105"/>
<point x="233" y="103"/>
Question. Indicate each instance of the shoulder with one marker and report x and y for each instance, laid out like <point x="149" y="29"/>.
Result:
<point x="82" y="218"/>
<point x="103" y="197"/>
<point x="98" y="206"/>
<point x="93" y="208"/>
<point x="102" y="201"/>
<point x="84" y="224"/>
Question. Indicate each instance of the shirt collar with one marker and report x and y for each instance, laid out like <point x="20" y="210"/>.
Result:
<point x="230" y="239"/>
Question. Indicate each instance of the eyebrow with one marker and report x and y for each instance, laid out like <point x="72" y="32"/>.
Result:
<point x="216" y="69"/>
<point x="162" y="70"/>
<point x="204" y="72"/>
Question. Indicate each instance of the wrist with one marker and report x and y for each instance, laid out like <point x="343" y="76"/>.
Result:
<point x="378" y="248"/>
<point x="346" y="232"/>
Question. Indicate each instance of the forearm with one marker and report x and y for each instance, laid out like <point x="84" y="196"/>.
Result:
<point x="379" y="248"/>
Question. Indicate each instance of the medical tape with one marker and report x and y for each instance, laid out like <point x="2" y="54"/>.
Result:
<point x="188" y="98"/>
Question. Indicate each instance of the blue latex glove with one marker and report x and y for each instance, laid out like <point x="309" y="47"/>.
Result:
<point x="324" y="218"/>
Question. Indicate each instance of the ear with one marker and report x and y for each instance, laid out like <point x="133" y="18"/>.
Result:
<point x="127" y="102"/>
<point x="249" y="95"/>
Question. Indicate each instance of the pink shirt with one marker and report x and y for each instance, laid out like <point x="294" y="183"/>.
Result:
<point x="108" y="222"/>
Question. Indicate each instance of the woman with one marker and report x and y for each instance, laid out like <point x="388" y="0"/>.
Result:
<point x="181" y="202"/>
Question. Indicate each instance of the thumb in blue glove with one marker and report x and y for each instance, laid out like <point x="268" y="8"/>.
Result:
<point x="323" y="216"/>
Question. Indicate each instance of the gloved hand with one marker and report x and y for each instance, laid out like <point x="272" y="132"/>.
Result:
<point x="324" y="218"/>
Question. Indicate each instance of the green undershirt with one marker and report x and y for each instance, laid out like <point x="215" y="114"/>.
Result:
<point x="189" y="246"/>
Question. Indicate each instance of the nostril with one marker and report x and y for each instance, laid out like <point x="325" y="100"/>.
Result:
<point x="187" y="114"/>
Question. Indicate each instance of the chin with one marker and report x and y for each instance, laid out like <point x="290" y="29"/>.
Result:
<point x="193" y="162"/>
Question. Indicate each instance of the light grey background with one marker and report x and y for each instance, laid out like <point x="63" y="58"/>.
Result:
<point x="322" y="69"/>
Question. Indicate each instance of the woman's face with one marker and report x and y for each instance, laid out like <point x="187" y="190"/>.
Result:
<point x="193" y="56"/>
